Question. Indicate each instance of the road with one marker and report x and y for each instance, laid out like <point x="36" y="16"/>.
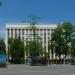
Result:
<point x="38" y="70"/>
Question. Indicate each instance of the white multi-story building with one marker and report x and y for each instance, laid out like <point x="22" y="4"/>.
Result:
<point x="24" y="31"/>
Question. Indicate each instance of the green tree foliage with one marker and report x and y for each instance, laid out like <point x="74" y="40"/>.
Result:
<point x="73" y="47"/>
<point x="61" y="39"/>
<point x="16" y="49"/>
<point x="57" y="41"/>
<point x="67" y="31"/>
<point x="34" y="47"/>
<point x="2" y="47"/>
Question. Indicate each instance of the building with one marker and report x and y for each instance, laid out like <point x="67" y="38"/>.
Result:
<point x="24" y="31"/>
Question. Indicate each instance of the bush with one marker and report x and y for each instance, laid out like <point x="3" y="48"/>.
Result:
<point x="17" y="61"/>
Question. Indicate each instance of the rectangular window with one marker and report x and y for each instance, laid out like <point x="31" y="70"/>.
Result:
<point x="19" y="32"/>
<point x="48" y="30"/>
<point x="37" y="29"/>
<point x="11" y="32"/>
<point x="44" y="29"/>
<point x="41" y="29"/>
<point x="48" y="38"/>
<point x="15" y="32"/>
<point x="22" y="31"/>
<point x="26" y="39"/>
<point x="45" y="47"/>
<point x="26" y="30"/>
<point x="30" y="30"/>
<point x="48" y="33"/>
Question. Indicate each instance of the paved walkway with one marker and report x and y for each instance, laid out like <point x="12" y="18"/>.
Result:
<point x="38" y="70"/>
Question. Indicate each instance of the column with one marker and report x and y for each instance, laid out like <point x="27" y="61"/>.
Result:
<point x="46" y="40"/>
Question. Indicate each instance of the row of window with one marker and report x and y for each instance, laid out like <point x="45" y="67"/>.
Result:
<point x="31" y="30"/>
<point x="14" y="32"/>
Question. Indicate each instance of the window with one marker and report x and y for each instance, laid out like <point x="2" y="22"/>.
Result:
<point x="26" y="30"/>
<point x="40" y="29"/>
<point x="15" y="32"/>
<point x="26" y="39"/>
<point x="37" y="29"/>
<point x="45" y="47"/>
<point x="30" y="30"/>
<point x="41" y="34"/>
<point x="48" y="33"/>
<point x="48" y="29"/>
<point x="11" y="32"/>
<point x="48" y="38"/>
<point x="22" y="31"/>
<point x="44" y="29"/>
<point x="27" y="34"/>
<point x="19" y="31"/>
<point x="30" y="39"/>
<point x="22" y="38"/>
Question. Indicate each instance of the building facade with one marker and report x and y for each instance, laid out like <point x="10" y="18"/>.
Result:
<point x="25" y="32"/>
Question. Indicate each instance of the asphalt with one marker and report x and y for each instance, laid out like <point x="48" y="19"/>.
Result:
<point x="38" y="70"/>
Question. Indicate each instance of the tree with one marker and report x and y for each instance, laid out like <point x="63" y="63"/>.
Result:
<point x="16" y="49"/>
<point x="2" y="47"/>
<point x="73" y="47"/>
<point x="34" y="48"/>
<point x="61" y="38"/>
<point x="56" y="42"/>
<point x="33" y="22"/>
<point x="67" y="31"/>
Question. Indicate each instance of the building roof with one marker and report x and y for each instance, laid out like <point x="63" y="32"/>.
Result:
<point x="26" y="25"/>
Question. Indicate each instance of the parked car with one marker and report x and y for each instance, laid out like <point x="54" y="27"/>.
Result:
<point x="38" y="60"/>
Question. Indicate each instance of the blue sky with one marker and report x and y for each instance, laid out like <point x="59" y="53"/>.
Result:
<point x="50" y="11"/>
